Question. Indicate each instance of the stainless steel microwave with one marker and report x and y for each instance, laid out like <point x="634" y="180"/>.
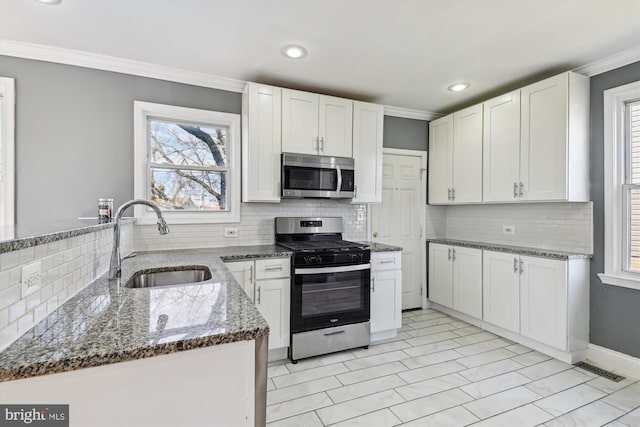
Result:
<point x="323" y="177"/>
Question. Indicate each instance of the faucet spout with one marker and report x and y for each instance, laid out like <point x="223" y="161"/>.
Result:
<point x="115" y="267"/>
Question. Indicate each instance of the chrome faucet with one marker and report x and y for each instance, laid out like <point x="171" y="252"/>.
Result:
<point x="115" y="267"/>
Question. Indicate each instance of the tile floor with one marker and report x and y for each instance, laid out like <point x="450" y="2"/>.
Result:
<point x="440" y="371"/>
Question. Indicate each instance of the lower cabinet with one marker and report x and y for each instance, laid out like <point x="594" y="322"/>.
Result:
<point x="501" y="290"/>
<point x="386" y="294"/>
<point x="267" y="283"/>
<point x="455" y="278"/>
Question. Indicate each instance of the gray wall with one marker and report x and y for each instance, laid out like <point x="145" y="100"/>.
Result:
<point x="404" y="133"/>
<point x="615" y="311"/>
<point x="74" y="134"/>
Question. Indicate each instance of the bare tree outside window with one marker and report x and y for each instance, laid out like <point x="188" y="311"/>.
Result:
<point x="188" y="165"/>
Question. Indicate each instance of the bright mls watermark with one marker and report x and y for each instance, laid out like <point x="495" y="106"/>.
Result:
<point x="34" y="415"/>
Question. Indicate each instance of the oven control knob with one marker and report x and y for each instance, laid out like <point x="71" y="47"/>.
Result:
<point x="319" y="260"/>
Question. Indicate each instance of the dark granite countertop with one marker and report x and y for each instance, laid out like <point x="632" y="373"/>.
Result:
<point x="518" y="250"/>
<point x="381" y="247"/>
<point x="107" y="323"/>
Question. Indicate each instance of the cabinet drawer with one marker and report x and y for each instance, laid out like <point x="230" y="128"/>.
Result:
<point x="386" y="261"/>
<point x="273" y="268"/>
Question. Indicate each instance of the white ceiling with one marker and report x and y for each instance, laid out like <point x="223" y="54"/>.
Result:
<point x="394" y="52"/>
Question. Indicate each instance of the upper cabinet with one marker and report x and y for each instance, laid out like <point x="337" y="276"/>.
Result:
<point x="455" y="157"/>
<point x="261" y="136"/>
<point x="536" y="142"/>
<point x="368" y="120"/>
<point x="316" y="124"/>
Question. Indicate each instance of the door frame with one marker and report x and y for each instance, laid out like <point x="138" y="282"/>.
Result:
<point x="422" y="214"/>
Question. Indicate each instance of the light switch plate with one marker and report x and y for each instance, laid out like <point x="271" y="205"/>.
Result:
<point x="31" y="278"/>
<point x="230" y="232"/>
<point x="509" y="229"/>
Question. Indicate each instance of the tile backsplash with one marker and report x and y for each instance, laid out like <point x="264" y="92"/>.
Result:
<point x="556" y="226"/>
<point x="256" y="226"/>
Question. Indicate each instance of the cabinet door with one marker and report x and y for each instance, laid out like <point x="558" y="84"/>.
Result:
<point x="543" y="301"/>
<point x="440" y="274"/>
<point x="543" y="143"/>
<point x="467" y="281"/>
<point x="272" y="299"/>
<point x="243" y="272"/>
<point x="261" y="143"/>
<point x="368" y="122"/>
<point x="467" y="155"/>
<point x="501" y="148"/>
<point x="299" y="122"/>
<point x="335" y="126"/>
<point x="440" y="160"/>
<point x="386" y="300"/>
<point x="501" y="290"/>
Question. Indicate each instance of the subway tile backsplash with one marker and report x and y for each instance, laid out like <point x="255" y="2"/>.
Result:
<point x="256" y="226"/>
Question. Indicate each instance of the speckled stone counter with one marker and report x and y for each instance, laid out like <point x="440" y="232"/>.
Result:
<point x="13" y="238"/>
<point x="108" y="323"/>
<point x="518" y="250"/>
<point x="381" y="247"/>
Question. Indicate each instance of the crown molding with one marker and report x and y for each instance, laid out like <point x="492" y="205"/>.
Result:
<point x="408" y="113"/>
<point x="609" y="63"/>
<point x="118" y="65"/>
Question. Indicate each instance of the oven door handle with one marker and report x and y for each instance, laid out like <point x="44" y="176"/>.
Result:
<point x="325" y="270"/>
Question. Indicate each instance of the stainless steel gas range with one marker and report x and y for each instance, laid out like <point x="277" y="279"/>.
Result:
<point x="330" y="294"/>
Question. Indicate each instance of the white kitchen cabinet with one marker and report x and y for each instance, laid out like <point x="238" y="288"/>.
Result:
<point x="501" y="290"/>
<point x="316" y="124"/>
<point x="455" y="157"/>
<point x="267" y="283"/>
<point x="455" y="278"/>
<point x="501" y="148"/>
<point x="536" y="142"/>
<point x="261" y="143"/>
<point x="368" y="121"/>
<point x="386" y="294"/>
<point x="543" y="300"/>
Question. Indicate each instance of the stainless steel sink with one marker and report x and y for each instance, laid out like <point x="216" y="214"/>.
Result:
<point x="168" y="277"/>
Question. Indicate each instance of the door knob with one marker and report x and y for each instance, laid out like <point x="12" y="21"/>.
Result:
<point x="375" y="234"/>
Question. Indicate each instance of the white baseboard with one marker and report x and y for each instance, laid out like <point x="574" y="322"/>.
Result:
<point x="615" y="361"/>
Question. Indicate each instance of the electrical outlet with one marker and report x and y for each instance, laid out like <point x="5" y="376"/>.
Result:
<point x="360" y="213"/>
<point x="230" y="232"/>
<point x="509" y="229"/>
<point x="31" y="278"/>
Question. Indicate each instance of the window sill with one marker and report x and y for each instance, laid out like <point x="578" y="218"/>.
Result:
<point x="620" y="280"/>
<point x="190" y="218"/>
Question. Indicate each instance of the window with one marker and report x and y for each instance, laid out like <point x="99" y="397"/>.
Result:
<point x="7" y="146"/>
<point x="187" y="162"/>
<point x="622" y="186"/>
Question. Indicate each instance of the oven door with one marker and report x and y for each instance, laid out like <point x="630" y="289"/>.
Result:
<point x="330" y="296"/>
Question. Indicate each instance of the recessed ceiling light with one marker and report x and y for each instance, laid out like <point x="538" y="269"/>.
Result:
<point x="49" y="1"/>
<point x="458" y="87"/>
<point x="294" y="51"/>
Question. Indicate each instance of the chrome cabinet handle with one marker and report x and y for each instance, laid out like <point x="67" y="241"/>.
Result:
<point x="387" y="261"/>
<point x="251" y="274"/>
<point x="258" y="294"/>
<point x="521" y="267"/>
<point x="355" y="192"/>
<point x="453" y="258"/>
<point x="515" y="190"/>
<point x="316" y="146"/>
<point x="273" y="268"/>
<point x="322" y="144"/>
<point x="373" y="284"/>
<point x="449" y="254"/>
<point x="453" y="194"/>
<point x="521" y="189"/>
<point x="448" y="194"/>
<point x="515" y="265"/>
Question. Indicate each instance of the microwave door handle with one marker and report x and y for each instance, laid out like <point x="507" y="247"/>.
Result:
<point x="339" y="178"/>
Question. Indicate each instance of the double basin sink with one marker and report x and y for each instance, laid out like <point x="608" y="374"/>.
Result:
<point x="168" y="277"/>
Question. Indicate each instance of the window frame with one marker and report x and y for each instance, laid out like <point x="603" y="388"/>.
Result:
<point x="7" y="152"/>
<point x="145" y="110"/>
<point x="615" y="167"/>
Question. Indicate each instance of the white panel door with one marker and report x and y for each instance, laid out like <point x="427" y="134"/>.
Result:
<point x="501" y="148"/>
<point x="467" y="281"/>
<point x="397" y="220"/>
<point x="543" y="157"/>
<point x="261" y="143"/>
<point x="440" y="160"/>
<point x="467" y="155"/>
<point x="386" y="300"/>
<point x="441" y="274"/>
<point x="335" y="126"/>
<point x="543" y="300"/>
<point x="272" y="299"/>
<point x="243" y="272"/>
<point x="368" y="122"/>
<point x="501" y="290"/>
<point x="299" y="122"/>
